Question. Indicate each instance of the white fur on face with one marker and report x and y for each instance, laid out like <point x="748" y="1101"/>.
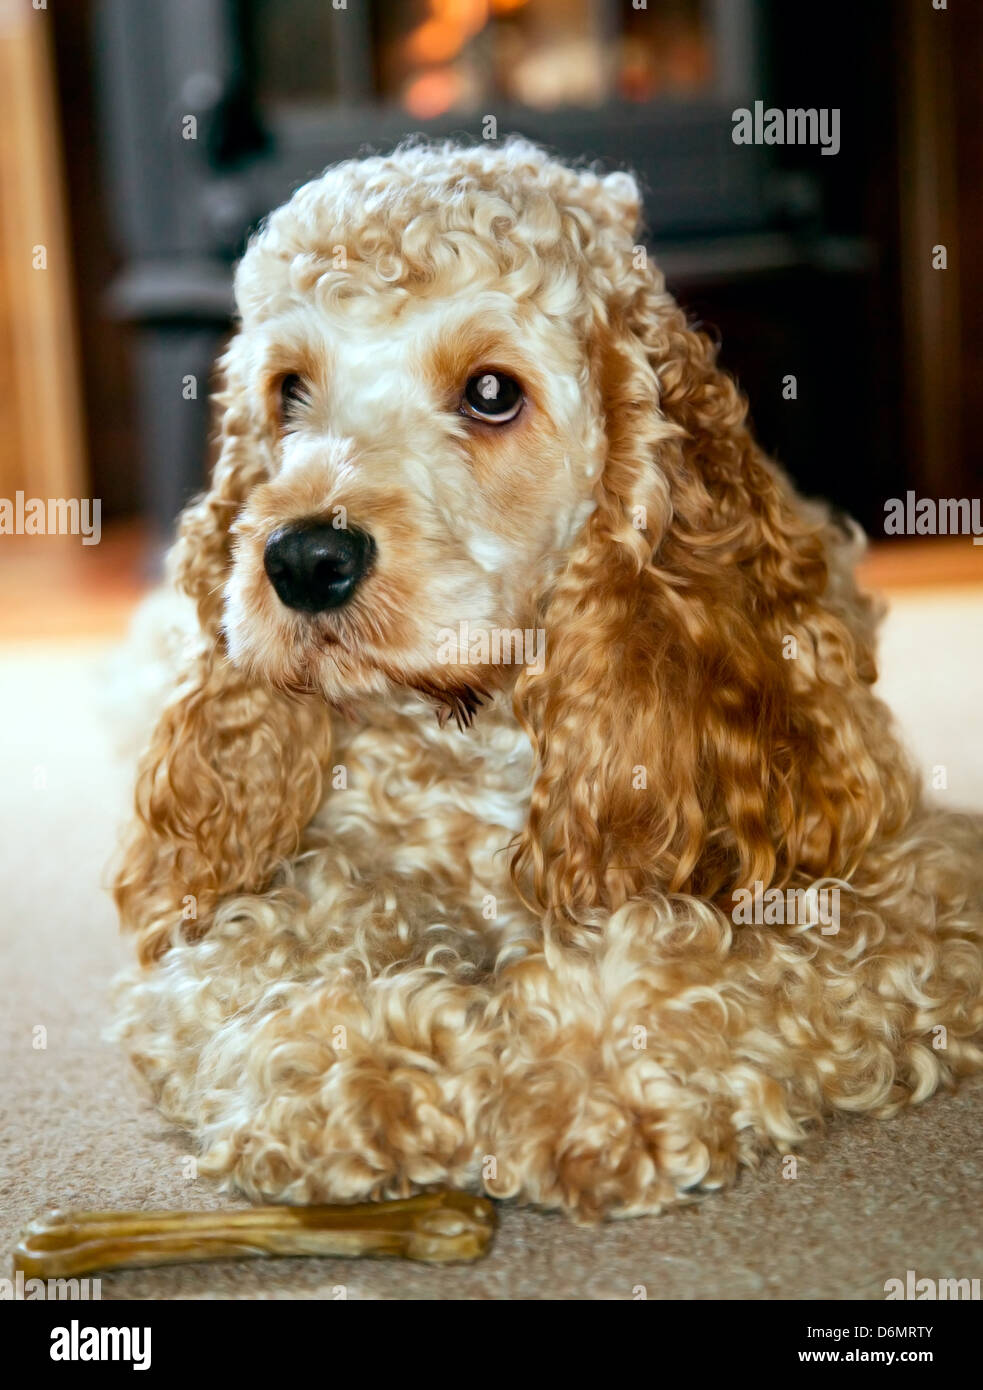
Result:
<point x="468" y="520"/>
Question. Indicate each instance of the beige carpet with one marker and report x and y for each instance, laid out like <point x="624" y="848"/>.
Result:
<point x="870" y="1201"/>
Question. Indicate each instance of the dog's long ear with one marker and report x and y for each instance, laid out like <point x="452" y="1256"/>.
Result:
<point x="704" y="719"/>
<point x="234" y="770"/>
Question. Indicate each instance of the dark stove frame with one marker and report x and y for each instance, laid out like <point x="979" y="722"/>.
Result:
<point x="182" y="208"/>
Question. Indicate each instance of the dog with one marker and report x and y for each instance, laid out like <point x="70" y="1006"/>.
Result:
<point x="412" y="912"/>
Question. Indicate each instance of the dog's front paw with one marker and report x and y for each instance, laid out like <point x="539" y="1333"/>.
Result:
<point x="373" y="1127"/>
<point x="574" y="1144"/>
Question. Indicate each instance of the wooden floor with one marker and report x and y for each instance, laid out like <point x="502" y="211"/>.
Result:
<point x="56" y="589"/>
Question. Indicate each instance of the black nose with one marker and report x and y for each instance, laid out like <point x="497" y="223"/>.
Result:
<point x="314" y="566"/>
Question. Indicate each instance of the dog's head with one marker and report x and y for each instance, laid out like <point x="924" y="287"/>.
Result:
<point x="414" y="424"/>
<point x="462" y="404"/>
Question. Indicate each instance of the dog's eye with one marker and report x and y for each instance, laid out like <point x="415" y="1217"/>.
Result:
<point x="291" y="393"/>
<point x="492" y="396"/>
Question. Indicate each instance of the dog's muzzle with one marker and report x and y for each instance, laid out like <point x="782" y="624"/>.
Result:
<point x="315" y="566"/>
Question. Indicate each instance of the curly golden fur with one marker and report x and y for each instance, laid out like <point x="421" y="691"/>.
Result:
<point x="381" y="950"/>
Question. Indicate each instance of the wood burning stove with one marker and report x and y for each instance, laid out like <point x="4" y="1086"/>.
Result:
<point x="213" y="110"/>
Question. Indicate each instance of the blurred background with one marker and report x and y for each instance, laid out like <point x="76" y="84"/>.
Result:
<point x="142" y="139"/>
<point x="139" y="142"/>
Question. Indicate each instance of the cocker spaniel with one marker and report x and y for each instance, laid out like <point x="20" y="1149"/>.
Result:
<point x="476" y="465"/>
